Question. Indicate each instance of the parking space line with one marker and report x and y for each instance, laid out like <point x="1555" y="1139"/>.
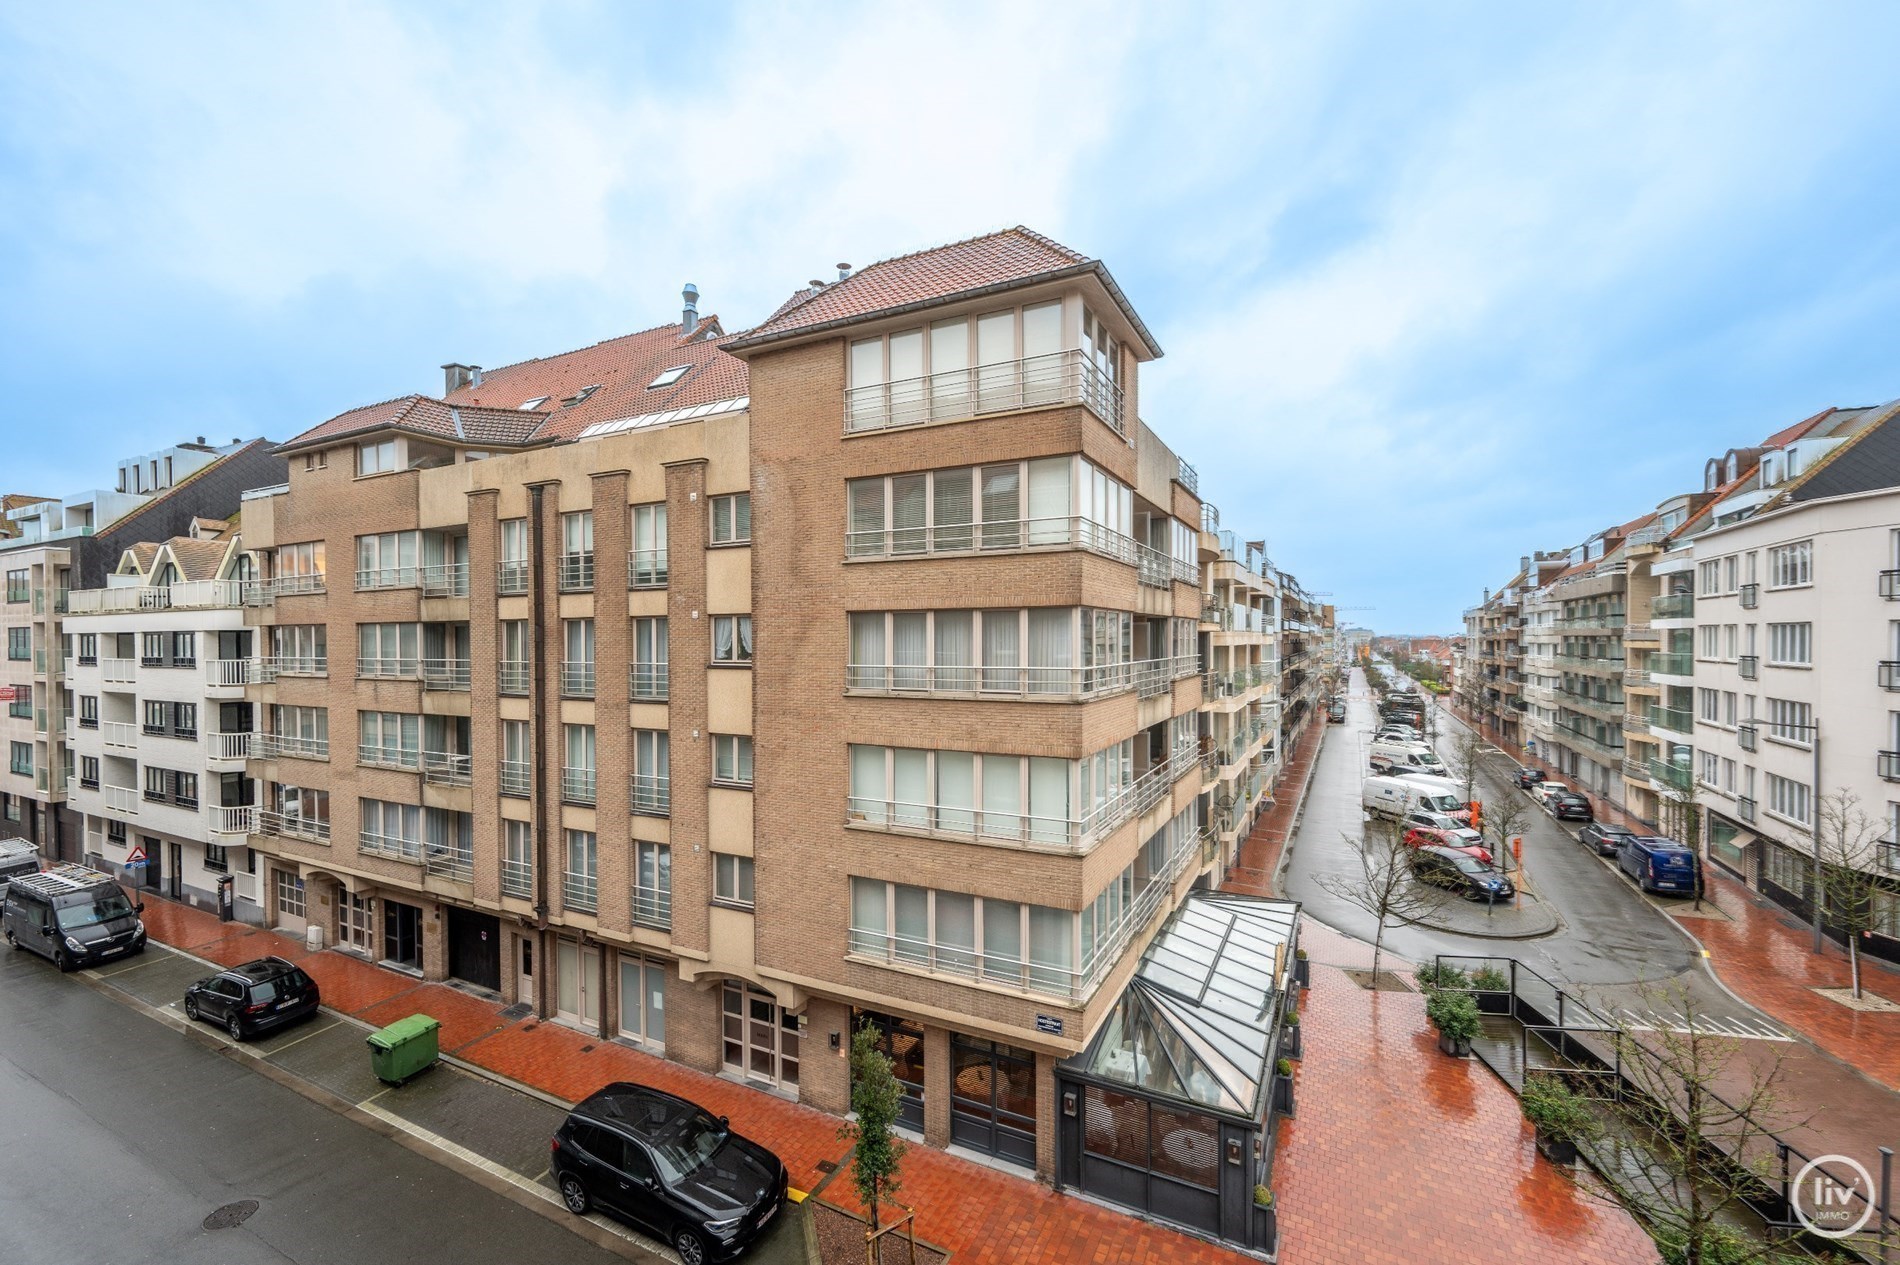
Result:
<point x="279" y="1049"/>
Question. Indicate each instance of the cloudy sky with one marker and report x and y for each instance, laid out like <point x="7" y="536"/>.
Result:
<point x="1438" y="284"/>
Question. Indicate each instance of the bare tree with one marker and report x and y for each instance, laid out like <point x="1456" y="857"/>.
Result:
<point x="1850" y="846"/>
<point x="1504" y="821"/>
<point x="1692" y="1136"/>
<point x="1467" y="750"/>
<point x="1384" y="885"/>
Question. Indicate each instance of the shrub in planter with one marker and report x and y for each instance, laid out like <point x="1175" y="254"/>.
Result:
<point x="1561" y="1116"/>
<point x="1302" y="969"/>
<point x="1489" y="979"/>
<point x="1291" y="1041"/>
<point x="1432" y="977"/>
<point x="1266" y="1220"/>
<point x="1283" y="1087"/>
<point x="1455" y="1015"/>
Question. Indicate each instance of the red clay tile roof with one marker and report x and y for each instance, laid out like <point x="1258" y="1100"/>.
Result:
<point x="941" y="274"/>
<point x="1796" y="431"/>
<point x="619" y="369"/>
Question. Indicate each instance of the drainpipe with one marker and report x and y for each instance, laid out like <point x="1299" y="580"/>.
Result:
<point x="537" y="636"/>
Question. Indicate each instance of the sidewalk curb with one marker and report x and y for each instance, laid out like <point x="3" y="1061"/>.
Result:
<point x="1278" y="878"/>
<point x="1557" y="924"/>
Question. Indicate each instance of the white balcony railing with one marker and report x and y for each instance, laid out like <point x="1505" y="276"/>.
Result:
<point x="517" y="777"/>
<point x="123" y="800"/>
<point x="580" y="891"/>
<point x="515" y="674"/>
<point x="445" y="579"/>
<point x="577" y="678"/>
<point x="392" y="847"/>
<point x="228" y="746"/>
<point x="511" y="578"/>
<point x="294" y="825"/>
<point x="223" y="821"/>
<point x="220" y="673"/>
<point x="445" y="674"/>
<point x="447" y="768"/>
<point x="289" y="747"/>
<point x="1063" y="377"/>
<point x="264" y="671"/>
<point x="1009" y="535"/>
<point x="118" y="733"/>
<point x="392" y="668"/>
<point x="650" y="794"/>
<point x="118" y="671"/>
<point x="1054" y="684"/>
<point x="652" y="907"/>
<point x="646" y="569"/>
<point x="647" y="681"/>
<point x="387" y="578"/>
<point x="454" y="863"/>
<point x="517" y="878"/>
<point x="578" y="785"/>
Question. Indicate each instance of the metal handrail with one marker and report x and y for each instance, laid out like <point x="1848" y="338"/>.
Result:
<point x="646" y="568"/>
<point x="1063" y="377"/>
<point x="647" y="681"/>
<point x="999" y="536"/>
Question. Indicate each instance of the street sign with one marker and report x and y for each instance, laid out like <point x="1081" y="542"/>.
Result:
<point x="136" y="857"/>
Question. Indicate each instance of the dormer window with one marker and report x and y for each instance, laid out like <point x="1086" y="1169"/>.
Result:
<point x="535" y="403"/>
<point x="668" y="377"/>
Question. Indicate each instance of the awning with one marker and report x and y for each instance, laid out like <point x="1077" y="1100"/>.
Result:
<point x="1196" y="1022"/>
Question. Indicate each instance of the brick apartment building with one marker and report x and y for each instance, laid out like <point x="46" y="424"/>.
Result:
<point x="722" y="693"/>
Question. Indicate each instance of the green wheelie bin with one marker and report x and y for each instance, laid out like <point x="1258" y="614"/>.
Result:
<point x="404" y="1048"/>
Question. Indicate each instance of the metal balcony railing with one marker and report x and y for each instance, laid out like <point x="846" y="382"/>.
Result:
<point x="387" y="578"/>
<point x="511" y="578"/>
<point x="517" y="878"/>
<point x="1750" y="595"/>
<point x="455" y="864"/>
<point x="577" y="678"/>
<point x="394" y="668"/>
<point x="653" y="908"/>
<point x="447" y="768"/>
<point x="1747" y="736"/>
<point x="998" y="536"/>
<point x="445" y="579"/>
<point x="381" y="757"/>
<point x="578" y="785"/>
<point x="580" y="891"/>
<point x="1888" y="765"/>
<point x="647" y="681"/>
<point x="1749" y="666"/>
<point x="651" y="794"/>
<point x="264" y="671"/>
<point x="1635" y="724"/>
<point x="515" y="675"/>
<point x="1154" y="568"/>
<point x="1888" y="674"/>
<point x="289" y="747"/>
<point x="1890" y="585"/>
<point x="1063" y="377"/>
<point x="445" y="674"/>
<point x="577" y="571"/>
<point x="390" y="847"/>
<point x="295" y="825"/>
<point x="646" y="568"/>
<point x="1745" y="808"/>
<point x="517" y="777"/>
<point x="295" y="585"/>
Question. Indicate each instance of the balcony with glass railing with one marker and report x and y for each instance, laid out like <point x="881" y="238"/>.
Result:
<point x="1048" y="381"/>
<point x="580" y="891"/>
<point x="1673" y="606"/>
<point x="1577" y="735"/>
<point x="578" y="785"/>
<point x="647" y="682"/>
<point x="1676" y="777"/>
<point x="517" y="879"/>
<point x="1674" y="719"/>
<point x="1670" y="664"/>
<point x="653" y="907"/>
<point x="1749" y="666"/>
<point x="517" y="777"/>
<point x="646" y="568"/>
<point x="577" y="678"/>
<point x="651" y="794"/>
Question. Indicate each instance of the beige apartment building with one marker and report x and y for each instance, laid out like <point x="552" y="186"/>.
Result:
<point x="720" y="694"/>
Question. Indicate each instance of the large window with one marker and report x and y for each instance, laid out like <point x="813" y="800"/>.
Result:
<point x="300" y="567"/>
<point x="300" y="731"/>
<point x="388" y="650"/>
<point x="732" y="879"/>
<point x="1018" y="505"/>
<point x="581" y="888"/>
<point x="647" y="563"/>
<point x="577" y="667"/>
<point x="1790" y="721"/>
<point x="649" y="676"/>
<point x="731" y="518"/>
<point x="1788" y="798"/>
<point x="1791" y="565"/>
<point x="301" y="649"/>
<point x="1791" y="645"/>
<point x="578" y="772"/>
<point x="389" y="739"/>
<point x="517" y="759"/>
<point x="393" y="830"/>
<point x="652" y="885"/>
<point x="1053" y="651"/>
<point x="732" y="639"/>
<point x="968" y="365"/>
<point x="732" y="759"/>
<point x="376" y="458"/>
<point x="652" y="780"/>
<point x="387" y="560"/>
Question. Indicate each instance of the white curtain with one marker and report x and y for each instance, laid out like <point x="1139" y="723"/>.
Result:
<point x="996" y="354"/>
<point x="868" y="663"/>
<point x="953" y="509"/>
<point x="1002" y="651"/>
<point x="910" y="650"/>
<point x="868" y="920"/>
<point x="911" y="787"/>
<point x="956" y="791"/>
<point x="1049" y="500"/>
<point x="955" y="666"/>
<point x="1003" y="796"/>
<point x="866" y="409"/>
<point x="907" y="372"/>
<point x="869" y="783"/>
<point x="1051" y="637"/>
<point x="1051" y="948"/>
<point x="1042" y="339"/>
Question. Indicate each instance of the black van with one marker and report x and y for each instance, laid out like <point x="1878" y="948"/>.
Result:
<point x="74" y="915"/>
<point x="1660" y="865"/>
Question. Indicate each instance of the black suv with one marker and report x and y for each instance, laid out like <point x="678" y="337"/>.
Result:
<point x="1607" y="840"/>
<point x="661" y="1162"/>
<point x="253" y="998"/>
<point x="1569" y="806"/>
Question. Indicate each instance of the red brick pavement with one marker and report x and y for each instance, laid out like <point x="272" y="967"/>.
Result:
<point x="1253" y="869"/>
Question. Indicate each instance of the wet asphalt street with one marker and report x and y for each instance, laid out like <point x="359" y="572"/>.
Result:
<point x="122" y="1135"/>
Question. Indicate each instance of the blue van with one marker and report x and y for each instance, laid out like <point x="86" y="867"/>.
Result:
<point x="1659" y="865"/>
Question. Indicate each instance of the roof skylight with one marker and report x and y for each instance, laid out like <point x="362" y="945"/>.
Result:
<point x="668" y="377"/>
<point x="536" y="402"/>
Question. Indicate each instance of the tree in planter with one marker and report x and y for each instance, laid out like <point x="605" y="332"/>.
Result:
<point x="1850" y="847"/>
<point x="1562" y="1117"/>
<point x="1668" y="1151"/>
<point x="877" y="1150"/>
<point x="1383" y="885"/>
<point x="1455" y="1015"/>
<point x="1504" y="821"/>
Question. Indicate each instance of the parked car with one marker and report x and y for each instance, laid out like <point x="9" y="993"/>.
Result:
<point x="72" y="914"/>
<point x="1606" y="839"/>
<point x="1456" y="840"/>
<point x="1528" y="777"/>
<point x="254" y="998"/>
<point x="1569" y="806"/>
<point x="17" y="856"/>
<point x="1542" y="791"/>
<point x="1439" y="821"/>
<point x="1660" y="865"/>
<point x="668" y="1165"/>
<point x="1453" y="870"/>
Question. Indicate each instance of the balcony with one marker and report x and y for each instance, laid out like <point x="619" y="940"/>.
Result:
<point x="1153" y="568"/>
<point x="227" y="746"/>
<point x="580" y="891"/>
<point x="1889" y="675"/>
<point x="1059" y="378"/>
<point x="227" y="673"/>
<point x="375" y="756"/>
<point x="511" y="578"/>
<point x="389" y="847"/>
<point x="394" y="668"/>
<point x="517" y="777"/>
<point x="1890" y="585"/>
<point x="447" y="768"/>
<point x="1671" y="664"/>
<point x="1634" y="768"/>
<point x="1674" y="719"/>
<point x="653" y="907"/>
<point x="120" y="734"/>
<point x="646" y="568"/>
<point x="1641" y="635"/>
<point x="1674" y="776"/>
<point x="289" y="747"/>
<point x="224" y="822"/>
<point x="265" y="671"/>
<point x="370" y="578"/>
<point x="517" y="879"/>
<point x="1749" y="666"/>
<point x="293" y="825"/>
<point x="1747" y="736"/>
<point x="1673" y="606"/>
<point x="445" y="579"/>
<point x="1008" y="535"/>
<point x="578" y="785"/>
<point x="1635" y="724"/>
<point x="1750" y="595"/>
<point x="1187" y="476"/>
<point x="1577" y="735"/>
<point x="577" y="572"/>
<point x="515" y="674"/>
<point x="123" y="800"/>
<point x="650" y="794"/>
<point x="455" y="863"/>
<point x="1607" y="708"/>
<point x="1888" y="765"/>
<point x="647" y="682"/>
<point x="445" y="674"/>
<point x="577" y="679"/>
<point x="1057" y="684"/>
<point x="1591" y="663"/>
<point x="292" y="586"/>
<point x="1745" y="808"/>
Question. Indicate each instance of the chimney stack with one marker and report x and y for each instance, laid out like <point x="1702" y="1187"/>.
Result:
<point x="689" y="314"/>
<point x="455" y="377"/>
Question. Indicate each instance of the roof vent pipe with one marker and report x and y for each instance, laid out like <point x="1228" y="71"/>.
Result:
<point x="689" y="314"/>
<point x="844" y="270"/>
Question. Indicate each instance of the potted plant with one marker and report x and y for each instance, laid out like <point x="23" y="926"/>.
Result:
<point x="1266" y="1220"/>
<point x="1560" y="1115"/>
<point x="1493" y="988"/>
<point x="1455" y="1015"/>
<point x="1433" y="977"/>
<point x="1302" y="969"/>
<point x="1283" y="1087"/>
<point x="1290" y="1038"/>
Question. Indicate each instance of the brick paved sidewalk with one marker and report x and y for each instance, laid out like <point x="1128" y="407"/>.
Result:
<point x="1259" y="856"/>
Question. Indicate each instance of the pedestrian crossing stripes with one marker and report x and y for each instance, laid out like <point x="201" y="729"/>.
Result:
<point x="1735" y="1026"/>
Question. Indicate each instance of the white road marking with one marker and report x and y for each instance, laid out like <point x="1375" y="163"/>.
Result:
<point x="1734" y="1026"/>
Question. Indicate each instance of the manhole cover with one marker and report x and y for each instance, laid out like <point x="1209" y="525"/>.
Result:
<point x="231" y="1215"/>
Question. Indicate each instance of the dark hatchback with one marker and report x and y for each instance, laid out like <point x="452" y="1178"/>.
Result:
<point x="1569" y="806"/>
<point x="667" y="1165"/>
<point x="1607" y="840"/>
<point x="254" y="998"/>
<point x="1528" y="777"/>
<point x="1458" y="871"/>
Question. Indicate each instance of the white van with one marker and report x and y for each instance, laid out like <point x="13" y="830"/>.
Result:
<point x="1395" y="797"/>
<point x="1440" y="786"/>
<point x="1406" y="757"/>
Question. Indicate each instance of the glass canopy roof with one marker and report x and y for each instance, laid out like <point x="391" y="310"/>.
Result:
<point x="1196" y="1021"/>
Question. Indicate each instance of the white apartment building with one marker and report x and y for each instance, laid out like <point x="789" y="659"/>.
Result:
<point x="159" y="729"/>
